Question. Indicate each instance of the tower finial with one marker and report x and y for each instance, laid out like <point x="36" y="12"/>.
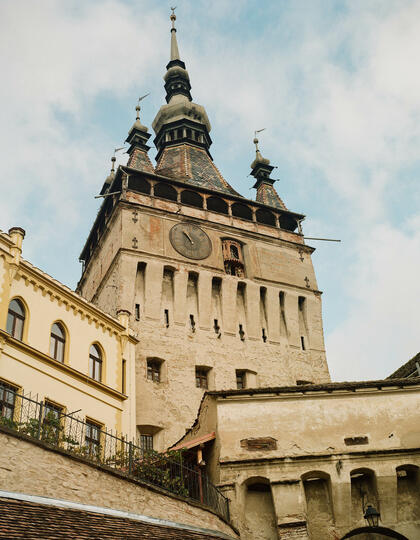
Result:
<point x="174" y="43"/>
<point x="138" y="105"/>
<point x="256" y="141"/>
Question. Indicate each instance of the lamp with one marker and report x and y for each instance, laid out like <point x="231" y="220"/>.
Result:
<point x="372" y="516"/>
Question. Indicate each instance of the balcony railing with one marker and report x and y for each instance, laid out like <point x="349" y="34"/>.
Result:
<point x="168" y="471"/>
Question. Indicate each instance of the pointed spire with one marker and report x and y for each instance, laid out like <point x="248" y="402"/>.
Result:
<point x="261" y="170"/>
<point x="177" y="80"/>
<point x="174" y="43"/>
<point x="137" y="139"/>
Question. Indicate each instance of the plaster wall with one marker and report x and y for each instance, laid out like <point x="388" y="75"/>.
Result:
<point x="311" y="470"/>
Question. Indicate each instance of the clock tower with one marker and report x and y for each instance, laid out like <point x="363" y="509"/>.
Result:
<point x="219" y="288"/>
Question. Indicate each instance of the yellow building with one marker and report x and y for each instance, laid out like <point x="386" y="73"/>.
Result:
<point x="61" y="350"/>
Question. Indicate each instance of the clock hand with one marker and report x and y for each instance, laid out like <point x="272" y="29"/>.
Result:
<point x="189" y="237"/>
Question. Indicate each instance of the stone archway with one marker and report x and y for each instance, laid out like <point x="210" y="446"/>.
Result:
<point x="373" y="533"/>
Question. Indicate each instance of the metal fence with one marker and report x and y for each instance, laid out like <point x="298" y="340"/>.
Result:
<point x="169" y="471"/>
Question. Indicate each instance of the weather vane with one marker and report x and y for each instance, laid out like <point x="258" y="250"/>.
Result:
<point x="255" y="136"/>
<point x="138" y="105"/>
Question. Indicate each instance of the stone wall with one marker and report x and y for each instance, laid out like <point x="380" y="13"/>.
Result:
<point x="149" y="276"/>
<point x="29" y="468"/>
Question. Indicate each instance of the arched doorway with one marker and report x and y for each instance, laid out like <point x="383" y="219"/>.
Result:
<point x="373" y="533"/>
<point x="260" y="515"/>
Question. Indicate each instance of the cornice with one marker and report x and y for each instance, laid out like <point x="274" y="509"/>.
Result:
<point x="63" y="294"/>
<point x="83" y="377"/>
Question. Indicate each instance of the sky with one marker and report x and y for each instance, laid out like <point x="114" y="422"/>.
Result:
<point x="336" y="84"/>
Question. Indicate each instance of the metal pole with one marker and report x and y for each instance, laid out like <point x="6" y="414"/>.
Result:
<point x="41" y="407"/>
<point x="130" y="458"/>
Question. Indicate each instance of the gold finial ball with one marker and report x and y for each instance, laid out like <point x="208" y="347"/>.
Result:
<point x="138" y="108"/>
<point x="113" y="158"/>
<point x="255" y="141"/>
<point x="173" y="17"/>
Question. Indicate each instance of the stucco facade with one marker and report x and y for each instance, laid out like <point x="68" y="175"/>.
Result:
<point x="305" y="462"/>
<point x="26" y="364"/>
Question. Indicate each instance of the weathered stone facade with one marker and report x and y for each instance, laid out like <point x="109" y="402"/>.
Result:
<point x="156" y="278"/>
<point x="314" y="484"/>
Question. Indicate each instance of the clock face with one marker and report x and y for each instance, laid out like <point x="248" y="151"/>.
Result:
<point x="190" y="241"/>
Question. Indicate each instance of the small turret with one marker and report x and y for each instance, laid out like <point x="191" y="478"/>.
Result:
<point x="137" y="139"/>
<point x="110" y="178"/>
<point x="261" y="170"/>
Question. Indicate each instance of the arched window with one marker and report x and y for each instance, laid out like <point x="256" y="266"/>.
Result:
<point x="95" y="363"/>
<point x="266" y="217"/>
<point x="15" y="319"/>
<point x="192" y="198"/>
<point x="241" y="211"/>
<point x="217" y="205"/>
<point x="57" y="342"/>
<point x="164" y="191"/>
<point x="139" y="184"/>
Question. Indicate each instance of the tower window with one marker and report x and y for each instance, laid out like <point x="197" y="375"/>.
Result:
<point x="233" y="259"/>
<point x="241" y="332"/>
<point x="264" y="335"/>
<point x="201" y="377"/>
<point x="166" y="317"/>
<point x="146" y="442"/>
<point x="302" y="342"/>
<point x="153" y="370"/>
<point x="240" y="379"/>
<point x="137" y="312"/>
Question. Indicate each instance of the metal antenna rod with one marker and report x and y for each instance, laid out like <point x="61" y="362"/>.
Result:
<point x="323" y="239"/>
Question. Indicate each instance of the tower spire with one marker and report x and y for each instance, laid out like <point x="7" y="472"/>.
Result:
<point x="177" y="80"/>
<point x="261" y="170"/>
<point x="174" y="43"/>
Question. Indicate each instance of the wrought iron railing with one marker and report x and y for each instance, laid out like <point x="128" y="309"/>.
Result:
<point x="168" y="471"/>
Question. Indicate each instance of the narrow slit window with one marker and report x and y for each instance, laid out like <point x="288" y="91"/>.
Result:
<point x="241" y="332"/>
<point x="137" y="312"/>
<point x="302" y="342"/>
<point x="216" y="327"/>
<point x="192" y="323"/>
<point x="264" y="335"/>
<point x="166" y="317"/>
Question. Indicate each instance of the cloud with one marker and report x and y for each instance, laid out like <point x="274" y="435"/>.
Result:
<point x="334" y="83"/>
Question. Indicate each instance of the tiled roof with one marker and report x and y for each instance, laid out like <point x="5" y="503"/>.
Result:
<point x="407" y="369"/>
<point x="22" y="519"/>
<point x="321" y="387"/>
<point x="140" y="160"/>
<point x="194" y="166"/>
<point x="267" y="194"/>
